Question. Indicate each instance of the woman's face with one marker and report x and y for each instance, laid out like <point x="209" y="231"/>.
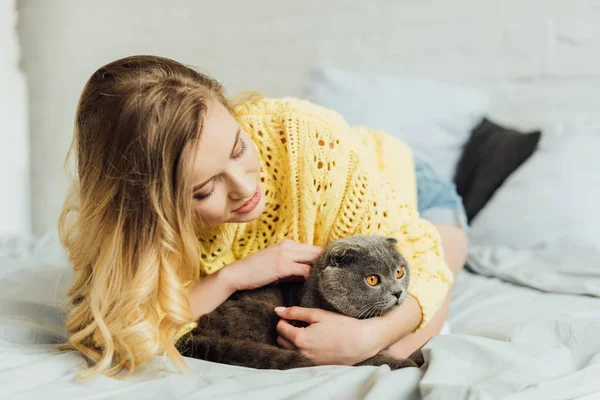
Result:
<point x="225" y="171"/>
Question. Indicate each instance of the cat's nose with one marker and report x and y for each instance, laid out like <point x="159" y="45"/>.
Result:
<point x="397" y="294"/>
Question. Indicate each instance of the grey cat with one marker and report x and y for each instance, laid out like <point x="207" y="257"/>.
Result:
<point x="359" y="276"/>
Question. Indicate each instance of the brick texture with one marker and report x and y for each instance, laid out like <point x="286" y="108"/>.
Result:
<point x="539" y="59"/>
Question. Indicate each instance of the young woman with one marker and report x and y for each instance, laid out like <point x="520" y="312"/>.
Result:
<point x="181" y="198"/>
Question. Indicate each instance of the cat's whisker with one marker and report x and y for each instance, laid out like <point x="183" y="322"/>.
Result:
<point x="373" y="310"/>
<point x="364" y="311"/>
<point x="379" y="311"/>
<point x="370" y="311"/>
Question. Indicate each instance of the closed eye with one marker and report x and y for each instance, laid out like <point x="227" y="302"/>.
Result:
<point x="242" y="151"/>
<point x="204" y="196"/>
<point x="201" y="197"/>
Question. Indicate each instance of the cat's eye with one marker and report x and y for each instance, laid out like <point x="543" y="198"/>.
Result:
<point x="372" y="280"/>
<point x="400" y="273"/>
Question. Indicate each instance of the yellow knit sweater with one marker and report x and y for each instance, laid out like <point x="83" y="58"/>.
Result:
<point x="324" y="180"/>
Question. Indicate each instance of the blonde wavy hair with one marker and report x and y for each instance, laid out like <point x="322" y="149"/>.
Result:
<point x="127" y="221"/>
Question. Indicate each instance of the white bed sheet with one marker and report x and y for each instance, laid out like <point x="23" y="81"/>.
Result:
<point x="507" y="341"/>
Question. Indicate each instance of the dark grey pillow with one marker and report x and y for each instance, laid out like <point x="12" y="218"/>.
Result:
<point x="491" y="154"/>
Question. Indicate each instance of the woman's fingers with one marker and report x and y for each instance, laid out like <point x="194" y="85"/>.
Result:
<point x="306" y="256"/>
<point x="287" y="331"/>
<point x="300" y="252"/>
<point x="285" y="344"/>
<point x="302" y="270"/>
<point x="308" y="315"/>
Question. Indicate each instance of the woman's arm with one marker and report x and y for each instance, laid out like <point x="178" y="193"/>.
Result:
<point x="280" y="261"/>
<point x="455" y="244"/>
<point x="333" y="338"/>
<point x="394" y="326"/>
<point x="208" y="293"/>
<point x="393" y="331"/>
<point x="336" y="339"/>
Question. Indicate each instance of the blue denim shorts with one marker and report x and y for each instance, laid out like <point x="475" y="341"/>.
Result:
<point x="437" y="198"/>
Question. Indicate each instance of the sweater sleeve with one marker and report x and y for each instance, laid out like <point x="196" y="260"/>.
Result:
<point x="370" y="206"/>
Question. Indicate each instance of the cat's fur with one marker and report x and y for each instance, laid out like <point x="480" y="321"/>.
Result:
<point x="242" y="331"/>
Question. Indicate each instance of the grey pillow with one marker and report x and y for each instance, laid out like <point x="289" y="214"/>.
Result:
<point x="492" y="153"/>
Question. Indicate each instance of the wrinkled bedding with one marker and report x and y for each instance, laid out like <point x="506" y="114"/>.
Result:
<point x="527" y="326"/>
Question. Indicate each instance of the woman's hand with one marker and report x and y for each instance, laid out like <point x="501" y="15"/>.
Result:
<point x="333" y="338"/>
<point x="330" y="339"/>
<point x="287" y="259"/>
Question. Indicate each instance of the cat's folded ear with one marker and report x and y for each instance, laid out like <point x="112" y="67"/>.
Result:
<point x="392" y="240"/>
<point x="342" y="254"/>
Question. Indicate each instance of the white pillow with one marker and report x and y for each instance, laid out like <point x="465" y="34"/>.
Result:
<point x="433" y="118"/>
<point x="552" y="198"/>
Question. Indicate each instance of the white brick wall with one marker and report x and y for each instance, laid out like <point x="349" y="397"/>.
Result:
<point x="538" y="58"/>
<point x="14" y="149"/>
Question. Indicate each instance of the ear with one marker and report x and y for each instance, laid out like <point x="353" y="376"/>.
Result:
<point x="342" y="255"/>
<point x="392" y="241"/>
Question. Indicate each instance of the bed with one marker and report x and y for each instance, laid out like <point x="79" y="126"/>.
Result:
<point x="508" y="340"/>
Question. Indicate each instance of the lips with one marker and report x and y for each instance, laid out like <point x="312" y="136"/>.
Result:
<point x="250" y="204"/>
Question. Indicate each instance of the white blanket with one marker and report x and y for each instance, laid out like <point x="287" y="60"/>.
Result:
<point x="507" y="341"/>
<point x="561" y="268"/>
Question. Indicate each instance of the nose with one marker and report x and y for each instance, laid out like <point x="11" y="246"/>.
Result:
<point x="242" y="187"/>
<point x="397" y="294"/>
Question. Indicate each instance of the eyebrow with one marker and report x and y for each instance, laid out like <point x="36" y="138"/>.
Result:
<point x="200" y="186"/>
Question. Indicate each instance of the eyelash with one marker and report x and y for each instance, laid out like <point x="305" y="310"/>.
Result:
<point x="242" y="152"/>
<point x="205" y="196"/>
<point x="235" y="157"/>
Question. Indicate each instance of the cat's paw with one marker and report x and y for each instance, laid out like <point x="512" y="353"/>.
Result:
<point x="398" y="364"/>
<point x="418" y="358"/>
<point x="393" y="363"/>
